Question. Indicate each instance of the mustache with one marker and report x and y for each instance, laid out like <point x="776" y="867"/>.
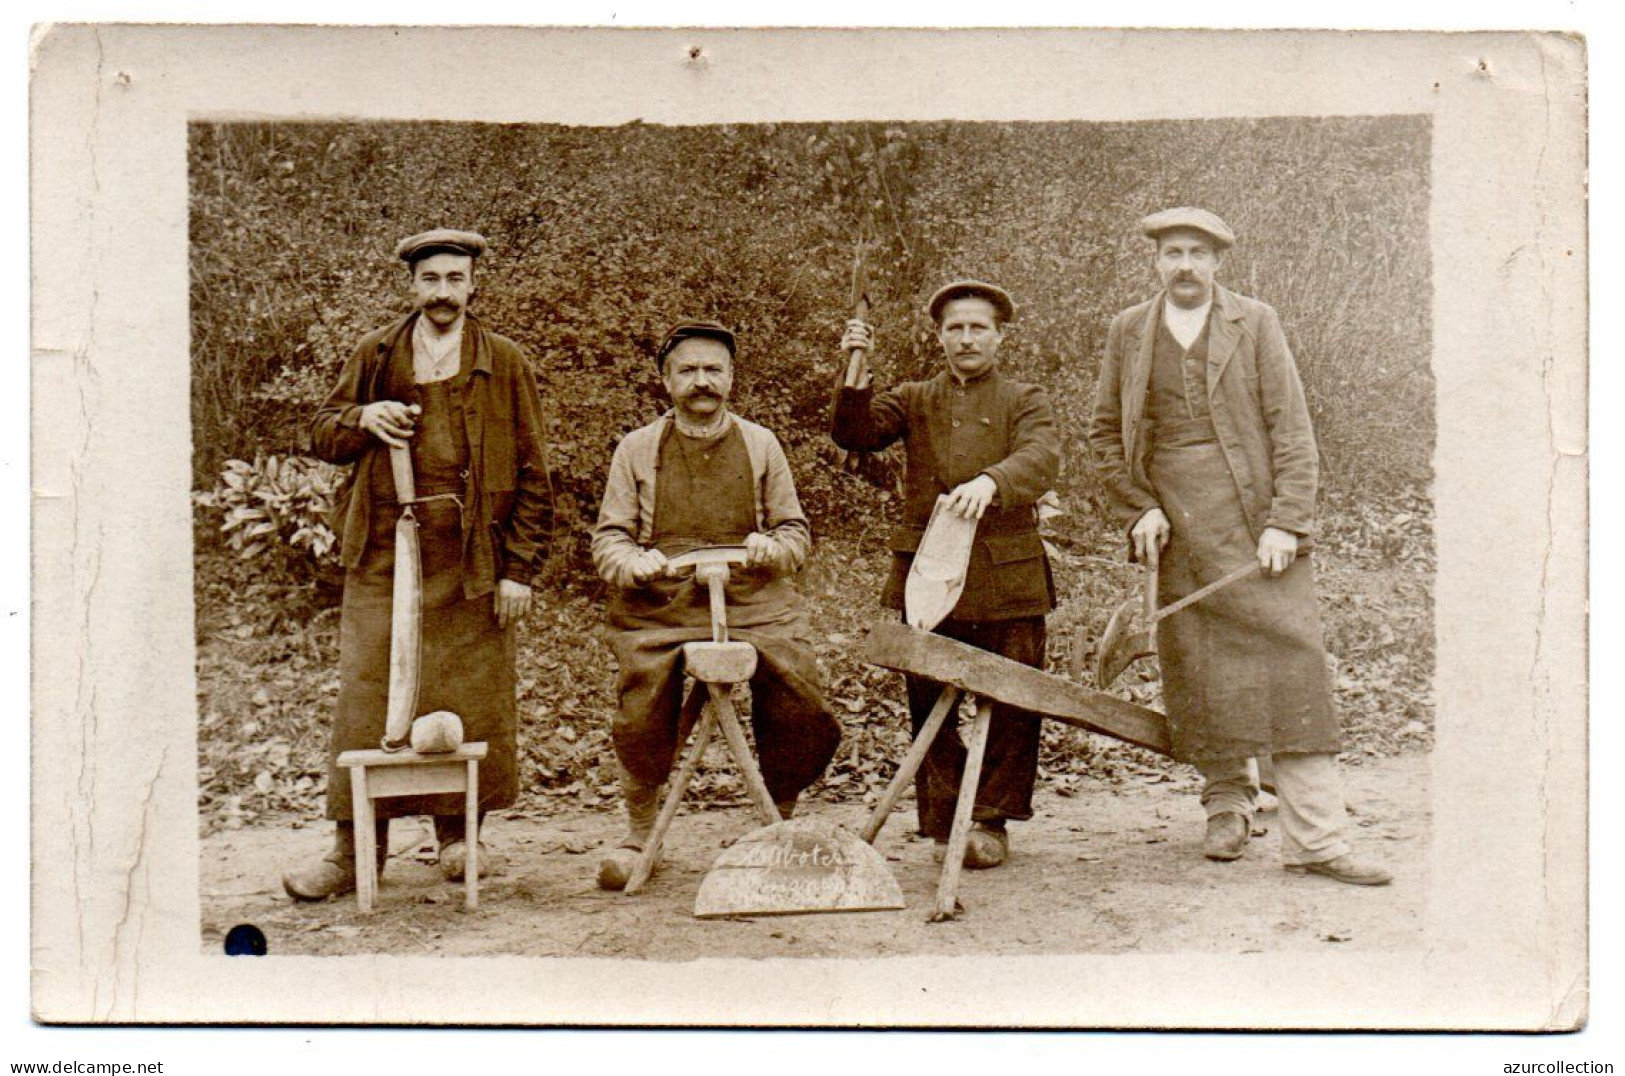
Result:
<point x="703" y="393"/>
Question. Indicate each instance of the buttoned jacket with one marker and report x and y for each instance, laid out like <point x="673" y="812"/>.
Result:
<point x="1259" y="414"/>
<point x="952" y="432"/>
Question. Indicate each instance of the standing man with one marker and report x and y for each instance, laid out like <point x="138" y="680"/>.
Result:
<point x="465" y="402"/>
<point x="1202" y="440"/>
<point x="989" y="443"/>
<point x="697" y="476"/>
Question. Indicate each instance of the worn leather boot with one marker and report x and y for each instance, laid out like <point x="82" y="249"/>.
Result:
<point x="1348" y="869"/>
<point x="450" y="833"/>
<point x="334" y="874"/>
<point x="1227" y="836"/>
<point x="987" y="846"/>
<point x="642" y="805"/>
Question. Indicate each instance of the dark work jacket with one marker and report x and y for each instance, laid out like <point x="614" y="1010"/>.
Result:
<point x="1258" y="411"/>
<point x="508" y="495"/>
<point x="953" y="432"/>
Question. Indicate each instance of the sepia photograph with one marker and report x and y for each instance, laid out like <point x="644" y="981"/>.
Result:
<point x="1008" y="277"/>
<point x="717" y="543"/>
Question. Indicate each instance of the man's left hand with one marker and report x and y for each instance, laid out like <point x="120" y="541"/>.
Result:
<point x="1277" y="549"/>
<point x="972" y="498"/>
<point x="761" y="551"/>
<point x="512" y="601"/>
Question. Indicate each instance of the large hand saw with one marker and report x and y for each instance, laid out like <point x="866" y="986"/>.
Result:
<point x="406" y="610"/>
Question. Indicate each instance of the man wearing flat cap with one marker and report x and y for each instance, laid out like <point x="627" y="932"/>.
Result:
<point x="1203" y="442"/>
<point x="989" y="443"/>
<point x="464" y="401"/>
<point x="698" y="476"/>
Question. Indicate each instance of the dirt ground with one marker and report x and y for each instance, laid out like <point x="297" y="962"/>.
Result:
<point x="1101" y="868"/>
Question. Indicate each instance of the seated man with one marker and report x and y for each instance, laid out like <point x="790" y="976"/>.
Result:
<point x="721" y="481"/>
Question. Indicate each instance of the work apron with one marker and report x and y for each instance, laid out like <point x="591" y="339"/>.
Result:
<point x="1244" y="669"/>
<point x="705" y="496"/>
<point x="467" y="661"/>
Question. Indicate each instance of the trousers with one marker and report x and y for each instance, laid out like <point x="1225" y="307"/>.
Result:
<point x="1314" y="819"/>
<point x="795" y="735"/>
<point x="1010" y="764"/>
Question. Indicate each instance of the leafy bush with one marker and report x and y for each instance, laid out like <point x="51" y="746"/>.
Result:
<point x="274" y="512"/>
<point x="601" y="237"/>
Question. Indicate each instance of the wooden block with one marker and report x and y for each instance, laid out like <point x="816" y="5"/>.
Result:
<point x="719" y="663"/>
<point x="892" y="645"/>
<point x="439" y="733"/>
<point x="936" y="578"/>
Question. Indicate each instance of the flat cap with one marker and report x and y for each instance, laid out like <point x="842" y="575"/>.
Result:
<point x="973" y="289"/>
<point x="690" y="330"/>
<point x="1186" y="216"/>
<point x="439" y="241"/>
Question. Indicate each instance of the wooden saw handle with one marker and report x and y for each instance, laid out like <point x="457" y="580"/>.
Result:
<point x="400" y="465"/>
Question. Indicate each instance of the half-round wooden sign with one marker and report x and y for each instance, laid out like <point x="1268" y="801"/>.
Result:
<point x="796" y="868"/>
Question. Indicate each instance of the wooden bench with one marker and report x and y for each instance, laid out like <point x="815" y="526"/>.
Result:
<point x="377" y="775"/>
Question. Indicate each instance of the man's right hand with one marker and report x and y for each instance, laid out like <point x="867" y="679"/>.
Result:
<point x="391" y="421"/>
<point x="1151" y="532"/>
<point x="648" y="565"/>
<point x="858" y="334"/>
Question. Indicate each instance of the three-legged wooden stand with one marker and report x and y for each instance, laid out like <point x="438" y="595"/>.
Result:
<point x="716" y="666"/>
<point x="376" y="775"/>
<point x="961" y="668"/>
<point x="719" y="715"/>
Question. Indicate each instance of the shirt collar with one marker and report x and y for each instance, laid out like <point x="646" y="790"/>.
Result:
<point x="950" y="376"/>
<point x="723" y="421"/>
<point x="1179" y="313"/>
<point x="436" y="357"/>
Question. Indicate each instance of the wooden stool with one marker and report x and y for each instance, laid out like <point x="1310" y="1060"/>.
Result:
<point x="377" y="775"/>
